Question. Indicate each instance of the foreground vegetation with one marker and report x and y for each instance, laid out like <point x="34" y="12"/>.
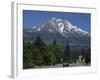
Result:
<point x="38" y="53"/>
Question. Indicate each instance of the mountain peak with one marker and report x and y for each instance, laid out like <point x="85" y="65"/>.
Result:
<point x="60" y="25"/>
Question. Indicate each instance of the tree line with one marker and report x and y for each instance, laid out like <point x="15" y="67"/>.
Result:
<point x="39" y="53"/>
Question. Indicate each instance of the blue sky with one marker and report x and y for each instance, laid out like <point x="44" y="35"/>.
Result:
<point x="32" y="18"/>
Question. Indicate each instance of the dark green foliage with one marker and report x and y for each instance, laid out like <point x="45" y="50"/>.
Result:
<point x="44" y="51"/>
<point x="58" y="54"/>
<point x="27" y="55"/>
<point x="87" y="56"/>
<point x="50" y="53"/>
<point x="37" y="57"/>
<point x="38" y="53"/>
<point x="53" y="59"/>
<point x="68" y="55"/>
<point x="54" y="42"/>
<point x="38" y="42"/>
<point x="72" y="58"/>
<point x="46" y="54"/>
<point x="82" y="53"/>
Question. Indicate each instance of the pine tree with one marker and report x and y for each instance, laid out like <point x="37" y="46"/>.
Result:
<point x="27" y="55"/>
<point x="87" y="56"/>
<point x="54" y="42"/>
<point x="66" y="55"/>
<point x="58" y="54"/>
<point x="37" y="57"/>
<point x="43" y="51"/>
<point x="38" y="42"/>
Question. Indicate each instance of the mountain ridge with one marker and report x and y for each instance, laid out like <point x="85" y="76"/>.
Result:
<point x="61" y="25"/>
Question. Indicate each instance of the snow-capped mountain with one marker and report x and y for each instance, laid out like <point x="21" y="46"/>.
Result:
<point x="58" y="25"/>
<point x="61" y="30"/>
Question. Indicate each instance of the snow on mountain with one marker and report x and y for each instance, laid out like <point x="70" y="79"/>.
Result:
<point x="62" y="26"/>
<point x="34" y="27"/>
